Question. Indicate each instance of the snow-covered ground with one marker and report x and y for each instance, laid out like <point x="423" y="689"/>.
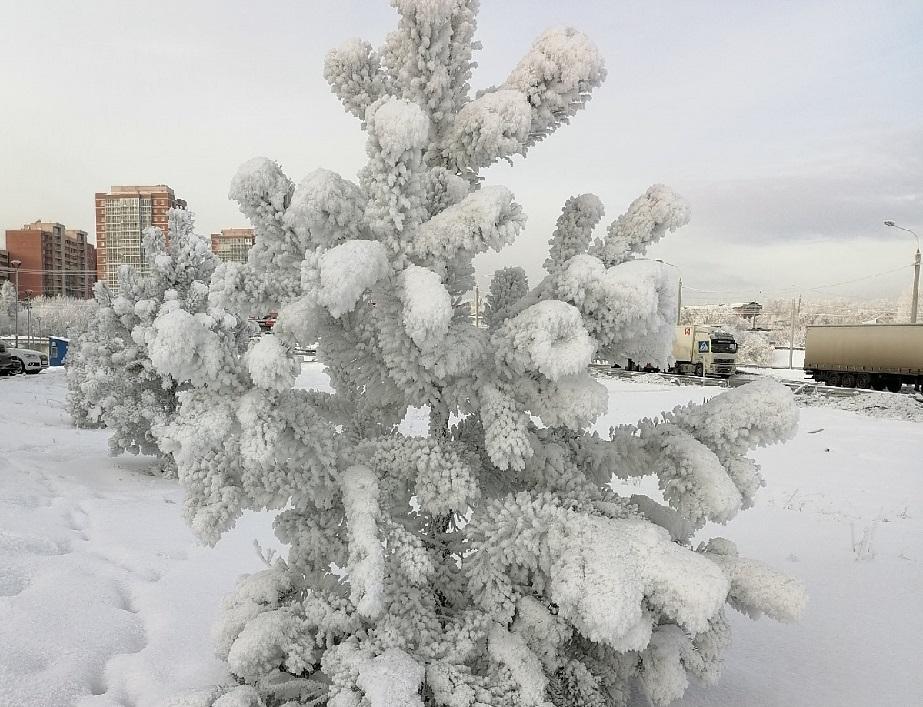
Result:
<point x="106" y="599"/>
<point x="904" y="406"/>
<point x="787" y="374"/>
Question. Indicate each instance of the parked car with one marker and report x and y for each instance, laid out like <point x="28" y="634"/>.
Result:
<point x="8" y="367"/>
<point x="27" y="360"/>
<point x="266" y="323"/>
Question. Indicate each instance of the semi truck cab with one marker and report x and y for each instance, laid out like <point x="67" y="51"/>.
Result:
<point x="704" y="350"/>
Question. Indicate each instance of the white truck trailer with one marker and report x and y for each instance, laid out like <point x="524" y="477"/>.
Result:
<point x="874" y="356"/>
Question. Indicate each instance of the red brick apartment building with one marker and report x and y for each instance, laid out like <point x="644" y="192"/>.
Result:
<point x="55" y="260"/>
<point x="122" y="214"/>
<point x="232" y="244"/>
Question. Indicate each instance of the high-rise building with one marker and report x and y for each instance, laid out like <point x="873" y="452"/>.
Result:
<point x="232" y="244"/>
<point x="6" y="272"/>
<point x="55" y="260"/>
<point x="121" y="216"/>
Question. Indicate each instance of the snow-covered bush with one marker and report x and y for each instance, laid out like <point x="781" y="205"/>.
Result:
<point x="489" y="562"/>
<point x="754" y="348"/>
<point x="112" y="378"/>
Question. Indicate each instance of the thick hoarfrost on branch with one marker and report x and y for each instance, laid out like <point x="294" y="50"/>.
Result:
<point x="436" y="473"/>
<point x="511" y="650"/>
<point x="557" y="75"/>
<point x="261" y="189"/>
<point x="325" y="210"/>
<point x="506" y="436"/>
<point x="427" y="306"/>
<point x="184" y="347"/>
<point x="392" y="679"/>
<point x="366" y="562"/>
<point x="663" y="673"/>
<point x="354" y="75"/>
<point x="755" y="415"/>
<point x="493" y="127"/>
<point x="548" y="337"/>
<point x="263" y="193"/>
<point x="428" y="58"/>
<point x="630" y="309"/>
<point x="394" y="180"/>
<point x="400" y="126"/>
<point x="575" y="226"/>
<point x="485" y="219"/>
<point x="647" y="220"/>
<point x="488" y="562"/>
<point x="270" y="365"/>
<point x="345" y="272"/>
<point x="692" y="478"/>
<point x="508" y="286"/>
<point x="755" y="588"/>
<point x="573" y="401"/>
<point x="602" y="573"/>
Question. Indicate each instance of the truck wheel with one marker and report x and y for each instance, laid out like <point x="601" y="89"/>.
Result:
<point x="878" y="382"/>
<point x="864" y="380"/>
<point x="894" y="384"/>
<point x="848" y="380"/>
<point x="833" y="378"/>
<point x="699" y="370"/>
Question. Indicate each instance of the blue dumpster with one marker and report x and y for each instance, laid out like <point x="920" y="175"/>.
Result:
<point x="57" y="350"/>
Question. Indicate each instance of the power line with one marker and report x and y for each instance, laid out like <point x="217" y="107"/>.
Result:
<point x="860" y="279"/>
<point x="798" y="288"/>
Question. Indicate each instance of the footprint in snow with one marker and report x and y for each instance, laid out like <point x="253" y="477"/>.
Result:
<point x="15" y="543"/>
<point x="12" y="583"/>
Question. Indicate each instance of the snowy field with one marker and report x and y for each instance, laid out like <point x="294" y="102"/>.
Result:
<point x="106" y="599"/>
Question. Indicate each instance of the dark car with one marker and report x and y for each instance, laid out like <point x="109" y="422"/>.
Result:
<point x="8" y="365"/>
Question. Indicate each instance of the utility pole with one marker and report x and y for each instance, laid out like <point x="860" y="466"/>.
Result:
<point x="477" y="306"/>
<point x="916" y="287"/>
<point x="791" y="347"/>
<point x="916" y="271"/>
<point x="679" y="303"/>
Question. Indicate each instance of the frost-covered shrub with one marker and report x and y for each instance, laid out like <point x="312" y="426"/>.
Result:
<point x="112" y="378"/>
<point x="754" y="348"/>
<point x="489" y="562"/>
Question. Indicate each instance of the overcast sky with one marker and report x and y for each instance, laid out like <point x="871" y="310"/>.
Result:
<point x="794" y="129"/>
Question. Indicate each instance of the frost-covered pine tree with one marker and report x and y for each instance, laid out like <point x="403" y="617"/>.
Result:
<point x="7" y="306"/>
<point x="487" y="561"/>
<point x="111" y="380"/>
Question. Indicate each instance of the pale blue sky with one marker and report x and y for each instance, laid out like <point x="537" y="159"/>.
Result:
<point x="793" y="128"/>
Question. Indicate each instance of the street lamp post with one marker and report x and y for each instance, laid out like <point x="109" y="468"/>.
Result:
<point x="29" y="313"/>
<point x="16" y="264"/>
<point x="916" y="271"/>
